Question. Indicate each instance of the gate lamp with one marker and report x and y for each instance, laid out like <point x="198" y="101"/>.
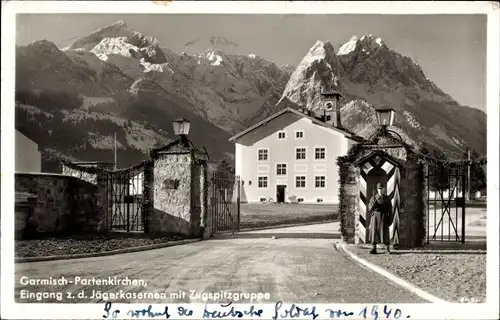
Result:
<point x="181" y="127"/>
<point x="385" y="117"/>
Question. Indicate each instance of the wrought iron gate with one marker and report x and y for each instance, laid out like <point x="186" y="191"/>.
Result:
<point x="125" y="194"/>
<point x="446" y="185"/>
<point x="225" y="202"/>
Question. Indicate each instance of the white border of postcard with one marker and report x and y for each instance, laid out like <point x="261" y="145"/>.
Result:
<point x="11" y="310"/>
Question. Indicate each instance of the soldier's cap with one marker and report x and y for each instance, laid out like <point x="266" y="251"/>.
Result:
<point x="380" y="186"/>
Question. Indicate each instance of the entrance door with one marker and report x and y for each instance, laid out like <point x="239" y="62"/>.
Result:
<point x="376" y="175"/>
<point x="280" y="193"/>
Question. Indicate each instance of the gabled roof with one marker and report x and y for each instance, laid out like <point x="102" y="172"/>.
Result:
<point x="382" y="154"/>
<point x="25" y="132"/>
<point x="345" y="132"/>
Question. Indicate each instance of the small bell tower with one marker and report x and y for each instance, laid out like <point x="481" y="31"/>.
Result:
<point x="331" y="107"/>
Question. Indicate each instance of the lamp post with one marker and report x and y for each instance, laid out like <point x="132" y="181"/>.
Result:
<point x="181" y="129"/>
<point x="385" y="118"/>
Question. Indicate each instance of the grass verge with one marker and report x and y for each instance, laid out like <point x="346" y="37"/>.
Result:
<point x="253" y="216"/>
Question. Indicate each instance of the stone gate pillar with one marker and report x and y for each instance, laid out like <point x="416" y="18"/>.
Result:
<point x="177" y="191"/>
<point x="349" y="179"/>
<point x="397" y="166"/>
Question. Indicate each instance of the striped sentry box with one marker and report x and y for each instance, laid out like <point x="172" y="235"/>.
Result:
<point x="393" y="180"/>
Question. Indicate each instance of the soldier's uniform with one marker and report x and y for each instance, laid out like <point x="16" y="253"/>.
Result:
<point x="381" y="211"/>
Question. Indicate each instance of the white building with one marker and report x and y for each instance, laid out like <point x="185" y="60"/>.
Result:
<point x="28" y="157"/>
<point x="291" y="156"/>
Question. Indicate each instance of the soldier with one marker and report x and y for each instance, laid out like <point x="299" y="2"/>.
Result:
<point x="381" y="211"/>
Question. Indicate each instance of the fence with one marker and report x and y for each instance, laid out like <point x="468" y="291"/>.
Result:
<point x="445" y="202"/>
<point x="224" y="195"/>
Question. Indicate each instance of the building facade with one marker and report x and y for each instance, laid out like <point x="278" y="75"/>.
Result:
<point x="28" y="157"/>
<point x="291" y="157"/>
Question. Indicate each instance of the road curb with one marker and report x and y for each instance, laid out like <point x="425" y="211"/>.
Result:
<point x="397" y="280"/>
<point x="106" y="253"/>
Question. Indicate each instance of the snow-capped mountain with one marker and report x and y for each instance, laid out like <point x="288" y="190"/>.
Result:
<point x="123" y="73"/>
<point x="367" y="73"/>
<point x="223" y="88"/>
<point x="117" y="73"/>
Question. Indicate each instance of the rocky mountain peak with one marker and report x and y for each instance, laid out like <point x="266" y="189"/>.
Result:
<point x="372" y="43"/>
<point x="230" y="91"/>
<point x="119" y="24"/>
<point x="319" y="69"/>
<point x="370" y="75"/>
<point x="117" y="29"/>
<point x="366" y="44"/>
<point x="320" y="50"/>
<point x="42" y="46"/>
<point x="214" y="56"/>
<point x="349" y="46"/>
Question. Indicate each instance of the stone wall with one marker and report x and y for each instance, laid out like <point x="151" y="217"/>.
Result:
<point x="148" y="203"/>
<point x="171" y="212"/>
<point x="89" y="177"/>
<point x="413" y="211"/>
<point x="196" y="199"/>
<point x="206" y="219"/>
<point x="349" y="193"/>
<point x="65" y="205"/>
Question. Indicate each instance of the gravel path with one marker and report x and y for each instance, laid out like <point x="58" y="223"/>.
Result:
<point x="85" y="244"/>
<point x="455" y="276"/>
<point x="290" y="270"/>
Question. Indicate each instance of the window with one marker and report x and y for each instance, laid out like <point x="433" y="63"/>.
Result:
<point x="281" y="135"/>
<point x="320" y="181"/>
<point x="262" y="182"/>
<point x="299" y="134"/>
<point x="263" y="153"/>
<point x="328" y="117"/>
<point x="319" y="153"/>
<point x="319" y="199"/>
<point x="300" y="153"/>
<point x="300" y="182"/>
<point x="300" y="199"/>
<point x="281" y="169"/>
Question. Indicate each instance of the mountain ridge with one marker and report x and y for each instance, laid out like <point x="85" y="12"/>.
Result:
<point x="121" y="73"/>
<point x="368" y="70"/>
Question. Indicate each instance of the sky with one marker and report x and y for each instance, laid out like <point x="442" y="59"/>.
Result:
<point x="451" y="49"/>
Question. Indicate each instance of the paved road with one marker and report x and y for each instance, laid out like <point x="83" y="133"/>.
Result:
<point x="291" y="270"/>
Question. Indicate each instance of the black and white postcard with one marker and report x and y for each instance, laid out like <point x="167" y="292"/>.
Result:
<point x="250" y="160"/>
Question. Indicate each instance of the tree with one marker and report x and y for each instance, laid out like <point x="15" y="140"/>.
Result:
<point x="477" y="174"/>
<point x="224" y="175"/>
<point x="224" y="167"/>
<point x="439" y="170"/>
